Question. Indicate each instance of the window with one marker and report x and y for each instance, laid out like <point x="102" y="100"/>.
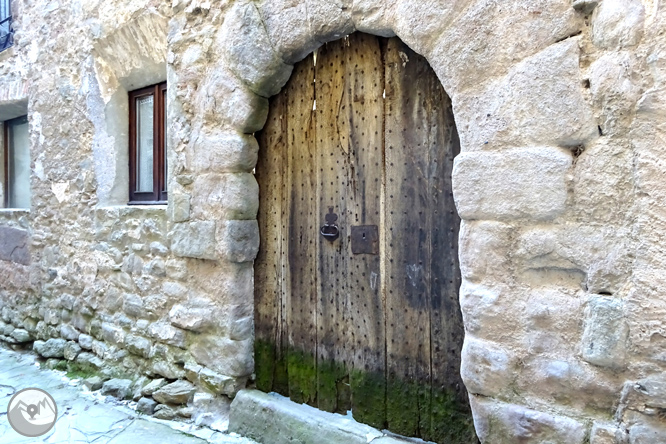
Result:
<point x="6" y="30"/>
<point x="147" y="155"/>
<point x="17" y="163"/>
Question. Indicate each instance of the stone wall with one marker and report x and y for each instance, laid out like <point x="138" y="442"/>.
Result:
<point x="561" y="110"/>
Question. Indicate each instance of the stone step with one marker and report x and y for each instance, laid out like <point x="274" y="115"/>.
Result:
<point x="273" y="419"/>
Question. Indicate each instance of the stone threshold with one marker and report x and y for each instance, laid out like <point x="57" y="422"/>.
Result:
<point x="275" y="419"/>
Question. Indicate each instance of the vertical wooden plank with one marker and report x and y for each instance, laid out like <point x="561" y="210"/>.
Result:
<point x="363" y="116"/>
<point x="451" y="418"/>
<point x="270" y="365"/>
<point x="302" y="232"/>
<point x="333" y="351"/>
<point x="421" y="122"/>
<point x="408" y="296"/>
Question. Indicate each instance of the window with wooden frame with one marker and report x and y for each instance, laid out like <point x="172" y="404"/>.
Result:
<point x="147" y="153"/>
<point x="17" y="163"/>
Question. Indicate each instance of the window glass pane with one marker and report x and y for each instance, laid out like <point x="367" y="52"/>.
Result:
<point x="144" y="144"/>
<point x="18" y="167"/>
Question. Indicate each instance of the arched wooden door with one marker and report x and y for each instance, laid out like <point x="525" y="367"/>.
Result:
<point x="362" y="138"/>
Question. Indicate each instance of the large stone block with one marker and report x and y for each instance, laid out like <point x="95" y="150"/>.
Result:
<point x="239" y="240"/>
<point x="481" y="308"/>
<point x="225" y="196"/>
<point x="598" y="257"/>
<point x="53" y="348"/>
<point x="646" y="395"/>
<point x="194" y="239"/>
<point x="605" y="198"/>
<point x="166" y="361"/>
<point x="484" y="250"/>
<point x="501" y="423"/>
<point x="118" y="388"/>
<point x="486" y="368"/>
<point x="138" y="345"/>
<point x="179" y="208"/>
<point x="525" y="183"/>
<point x="540" y="102"/>
<point x="568" y="381"/>
<point x="248" y="50"/>
<point x="647" y="433"/>
<point x="618" y="23"/>
<point x="607" y="433"/>
<point x="113" y="334"/>
<point x="196" y="315"/>
<point x="615" y="90"/>
<point x="14" y="245"/>
<point x="222" y="152"/>
<point x="224" y="355"/>
<point x="606" y="330"/>
<point x="168" y="334"/>
<point x="178" y="392"/>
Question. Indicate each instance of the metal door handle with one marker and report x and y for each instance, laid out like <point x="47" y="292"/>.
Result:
<point x="330" y="232"/>
<point x="330" y="229"/>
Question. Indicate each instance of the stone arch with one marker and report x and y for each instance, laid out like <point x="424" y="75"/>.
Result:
<point x="520" y="111"/>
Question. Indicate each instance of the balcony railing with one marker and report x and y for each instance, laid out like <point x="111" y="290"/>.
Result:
<point x="6" y="29"/>
<point x="6" y="33"/>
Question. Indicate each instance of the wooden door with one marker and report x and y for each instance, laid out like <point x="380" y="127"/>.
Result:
<point x="369" y="321"/>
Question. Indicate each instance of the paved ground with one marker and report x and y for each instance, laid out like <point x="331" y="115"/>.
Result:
<point x="83" y="418"/>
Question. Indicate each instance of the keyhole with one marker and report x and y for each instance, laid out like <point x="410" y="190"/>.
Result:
<point x="363" y="235"/>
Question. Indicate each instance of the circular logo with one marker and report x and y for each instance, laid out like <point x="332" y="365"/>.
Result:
<point x="32" y="412"/>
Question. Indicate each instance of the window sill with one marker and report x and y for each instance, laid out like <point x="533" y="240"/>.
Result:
<point x="133" y="207"/>
<point x="148" y="203"/>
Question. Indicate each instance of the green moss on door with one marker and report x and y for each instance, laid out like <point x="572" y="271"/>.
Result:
<point x="408" y="408"/>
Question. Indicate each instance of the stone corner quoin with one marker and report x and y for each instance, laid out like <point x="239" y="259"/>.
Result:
<point x="559" y="184"/>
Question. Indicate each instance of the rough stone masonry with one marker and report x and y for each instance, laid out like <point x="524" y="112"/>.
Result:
<point x="561" y="110"/>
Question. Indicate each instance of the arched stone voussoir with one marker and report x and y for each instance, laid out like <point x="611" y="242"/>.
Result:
<point x="539" y="102"/>
<point x="420" y="27"/>
<point x="375" y="17"/>
<point x="224" y="98"/>
<point x="288" y="28"/>
<point x="487" y="38"/>
<point x="248" y="50"/>
<point x="329" y="19"/>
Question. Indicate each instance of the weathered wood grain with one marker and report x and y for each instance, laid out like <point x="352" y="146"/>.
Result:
<point x="301" y="296"/>
<point x="363" y="118"/>
<point x="408" y="236"/>
<point x="334" y="355"/>
<point x="268" y="277"/>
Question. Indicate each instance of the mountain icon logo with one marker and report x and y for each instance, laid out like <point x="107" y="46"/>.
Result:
<point x="32" y="412"/>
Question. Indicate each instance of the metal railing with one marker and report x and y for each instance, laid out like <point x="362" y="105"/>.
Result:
<point x="6" y="29"/>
